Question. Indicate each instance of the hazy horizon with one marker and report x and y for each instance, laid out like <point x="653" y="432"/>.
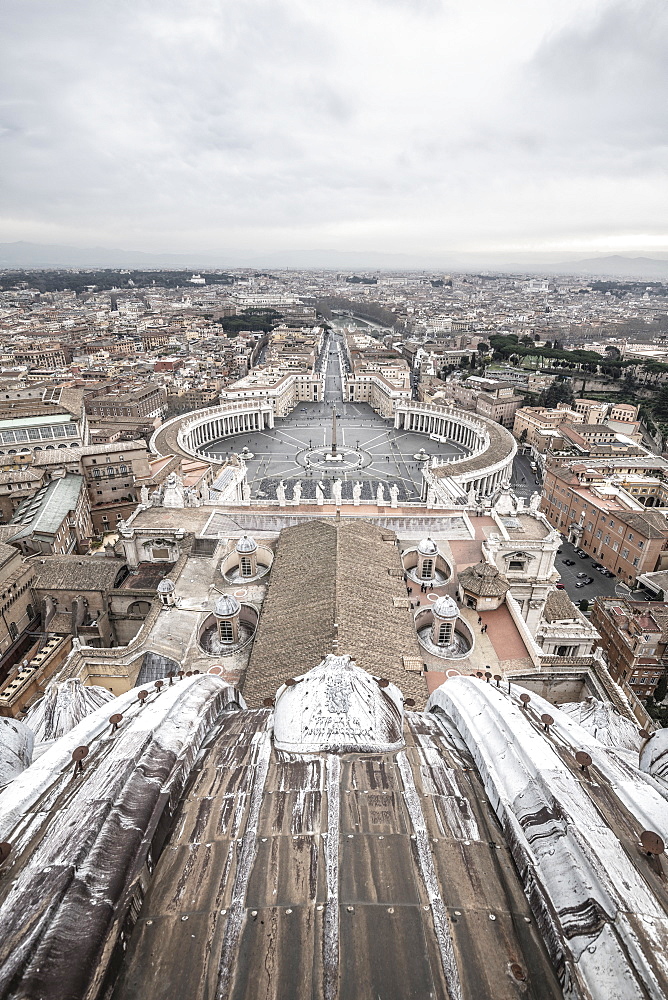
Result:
<point x="416" y="127"/>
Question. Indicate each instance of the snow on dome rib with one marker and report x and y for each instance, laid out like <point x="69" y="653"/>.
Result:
<point x="166" y="586"/>
<point x="226" y="606"/>
<point x="641" y="794"/>
<point x="16" y="747"/>
<point x="97" y="850"/>
<point x="64" y="705"/>
<point x="341" y="708"/>
<point x="246" y="544"/>
<point x="427" y="547"/>
<point x="604" y="926"/>
<point x="654" y="756"/>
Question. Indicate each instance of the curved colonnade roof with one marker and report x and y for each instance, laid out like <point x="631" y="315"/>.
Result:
<point x="191" y="857"/>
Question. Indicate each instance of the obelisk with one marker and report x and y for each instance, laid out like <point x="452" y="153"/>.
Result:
<point x="333" y="430"/>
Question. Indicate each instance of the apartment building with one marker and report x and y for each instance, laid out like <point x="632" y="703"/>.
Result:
<point x="634" y="640"/>
<point x="537" y="426"/>
<point x="489" y="397"/>
<point x="607" y="523"/>
<point x="144" y="401"/>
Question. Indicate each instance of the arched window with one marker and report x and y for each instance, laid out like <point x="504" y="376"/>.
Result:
<point x="427" y="568"/>
<point x="226" y="632"/>
<point x="445" y="633"/>
<point x="246" y="566"/>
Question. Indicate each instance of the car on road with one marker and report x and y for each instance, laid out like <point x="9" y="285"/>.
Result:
<point x="582" y="576"/>
<point x="608" y="573"/>
<point x="581" y="554"/>
<point x="559" y="551"/>
<point x="568" y="562"/>
<point x="561" y="586"/>
<point x="584" y="583"/>
<point x="596" y="566"/>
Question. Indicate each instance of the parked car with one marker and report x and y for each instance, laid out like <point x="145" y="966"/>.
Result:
<point x="581" y="554"/>
<point x="568" y="562"/>
<point x="582" y="576"/>
<point x="562" y="586"/>
<point x="596" y="566"/>
<point x="606" y="572"/>
<point x="582" y="583"/>
<point x="559" y="551"/>
<point x="589" y="579"/>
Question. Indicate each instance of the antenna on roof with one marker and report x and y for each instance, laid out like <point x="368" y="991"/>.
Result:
<point x="114" y="720"/>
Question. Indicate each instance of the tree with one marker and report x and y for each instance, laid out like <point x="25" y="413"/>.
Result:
<point x="523" y="436"/>
<point x="483" y="348"/>
<point x="558" y="392"/>
<point x="584" y="605"/>
<point x="661" y="688"/>
<point x="629" y="382"/>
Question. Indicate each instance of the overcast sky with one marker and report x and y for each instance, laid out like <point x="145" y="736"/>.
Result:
<point x="392" y="125"/>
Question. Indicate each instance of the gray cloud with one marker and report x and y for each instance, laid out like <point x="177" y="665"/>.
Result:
<point x="402" y="125"/>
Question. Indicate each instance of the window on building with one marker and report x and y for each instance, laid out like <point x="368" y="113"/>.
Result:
<point x="516" y="564"/>
<point x="620" y="529"/>
<point x="246" y="566"/>
<point x="226" y="632"/>
<point x="625" y="553"/>
<point x="636" y="561"/>
<point x="427" y="568"/>
<point x="599" y="533"/>
<point x="606" y="539"/>
<point x="444" y="633"/>
<point x="13" y="630"/>
<point x="640" y="544"/>
<point x="615" y="546"/>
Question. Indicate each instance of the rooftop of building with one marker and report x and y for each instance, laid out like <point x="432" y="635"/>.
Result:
<point x="77" y="573"/>
<point x="45" y="511"/>
<point x="349" y="578"/>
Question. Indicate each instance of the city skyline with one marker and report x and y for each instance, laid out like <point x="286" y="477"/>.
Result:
<point x="414" y="128"/>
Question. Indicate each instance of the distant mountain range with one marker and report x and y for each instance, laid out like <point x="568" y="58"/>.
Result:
<point x="37" y="255"/>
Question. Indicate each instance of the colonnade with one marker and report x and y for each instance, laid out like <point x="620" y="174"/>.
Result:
<point x="475" y="434"/>
<point x="452" y="426"/>
<point x="221" y="422"/>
